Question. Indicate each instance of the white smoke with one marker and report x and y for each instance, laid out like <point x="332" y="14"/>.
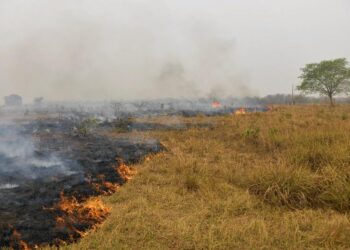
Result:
<point x="92" y="50"/>
<point x="19" y="158"/>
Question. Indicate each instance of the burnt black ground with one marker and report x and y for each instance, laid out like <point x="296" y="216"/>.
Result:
<point x="83" y="156"/>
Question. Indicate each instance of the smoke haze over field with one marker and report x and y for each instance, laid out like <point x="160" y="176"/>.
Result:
<point x="98" y="50"/>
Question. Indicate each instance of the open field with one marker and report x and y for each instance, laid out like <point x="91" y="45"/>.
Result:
<point x="274" y="180"/>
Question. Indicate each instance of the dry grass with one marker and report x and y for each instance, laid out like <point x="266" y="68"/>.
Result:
<point x="276" y="180"/>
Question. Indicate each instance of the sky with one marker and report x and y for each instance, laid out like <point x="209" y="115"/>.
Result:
<point x="133" y="49"/>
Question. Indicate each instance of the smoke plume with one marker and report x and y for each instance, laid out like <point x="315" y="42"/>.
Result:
<point x="20" y="157"/>
<point x="92" y="50"/>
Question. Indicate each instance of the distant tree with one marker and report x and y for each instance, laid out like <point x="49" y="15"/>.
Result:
<point x="327" y="78"/>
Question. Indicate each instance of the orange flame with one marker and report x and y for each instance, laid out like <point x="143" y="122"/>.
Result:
<point x="216" y="105"/>
<point x="106" y="187"/>
<point x="16" y="242"/>
<point x="77" y="217"/>
<point x="125" y="171"/>
<point x="241" y="111"/>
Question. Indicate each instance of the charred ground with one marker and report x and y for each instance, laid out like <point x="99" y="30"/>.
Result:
<point x="46" y="162"/>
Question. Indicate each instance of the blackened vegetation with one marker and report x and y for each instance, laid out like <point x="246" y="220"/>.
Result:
<point x="128" y="125"/>
<point x="66" y="162"/>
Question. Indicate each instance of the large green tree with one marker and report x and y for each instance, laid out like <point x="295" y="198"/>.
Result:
<point x="328" y="78"/>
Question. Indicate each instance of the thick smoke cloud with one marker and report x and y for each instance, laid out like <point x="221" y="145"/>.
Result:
<point x="113" y="49"/>
<point x="20" y="158"/>
<point x="93" y="50"/>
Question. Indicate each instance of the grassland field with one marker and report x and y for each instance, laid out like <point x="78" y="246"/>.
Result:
<point x="274" y="180"/>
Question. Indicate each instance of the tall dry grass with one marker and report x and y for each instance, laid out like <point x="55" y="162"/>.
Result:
<point x="275" y="180"/>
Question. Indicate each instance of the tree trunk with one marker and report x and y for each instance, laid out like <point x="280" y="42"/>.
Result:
<point x="331" y="99"/>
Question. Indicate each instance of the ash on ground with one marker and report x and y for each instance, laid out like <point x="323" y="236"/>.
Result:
<point x="42" y="158"/>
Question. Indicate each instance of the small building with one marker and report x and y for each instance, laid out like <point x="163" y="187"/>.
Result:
<point x="38" y="101"/>
<point x="13" y="100"/>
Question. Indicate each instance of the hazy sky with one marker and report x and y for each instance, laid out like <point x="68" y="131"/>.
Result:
<point x="88" y="49"/>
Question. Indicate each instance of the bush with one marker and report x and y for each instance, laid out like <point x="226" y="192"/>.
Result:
<point x="192" y="183"/>
<point x="251" y="133"/>
<point x="280" y="186"/>
<point x="344" y="116"/>
<point x="317" y="150"/>
<point x="314" y="158"/>
<point x="300" y="188"/>
<point x="275" y="140"/>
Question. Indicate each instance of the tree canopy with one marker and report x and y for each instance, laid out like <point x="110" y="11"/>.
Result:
<point x="328" y="78"/>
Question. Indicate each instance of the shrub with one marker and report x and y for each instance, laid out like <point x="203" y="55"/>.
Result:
<point x="192" y="183"/>
<point x="319" y="149"/>
<point x="344" y="116"/>
<point x="251" y="133"/>
<point x="273" y="131"/>
<point x="300" y="188"/>
<point x="314" y="158"/>
<point x="336" y="189"/>
<point x="84" y="127"/>
<point x="288" y="115"/>
<point x="282" y="186"/>
<point x="274" y="139"/>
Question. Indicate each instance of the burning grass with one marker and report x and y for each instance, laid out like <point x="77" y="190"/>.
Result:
<point x="106" y="187"/>
<point x="14" y="238"/>
<point x="75" y="218"/>
<point x="274" y="180"/>
<point x="125" y="171"/>
<point x="30" y="214"/>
